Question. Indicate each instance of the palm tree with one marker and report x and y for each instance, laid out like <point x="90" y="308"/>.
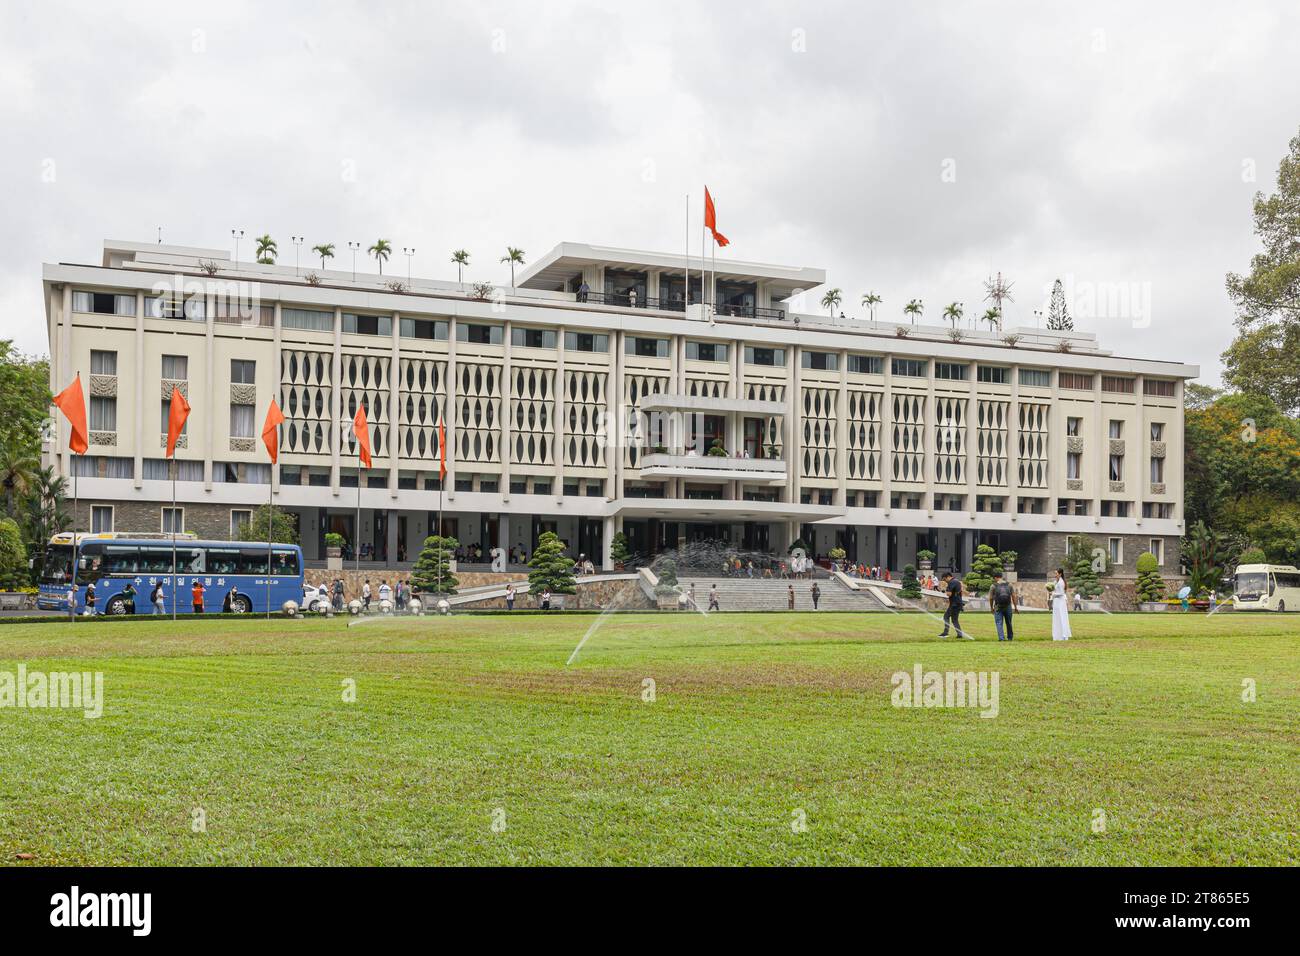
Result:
<point x="914" y="309"/>
<point x="461" y="258"/>
<point x="18" y="472"/>
<point x="831" y="299"/>
<point x="993" y="317"/>
<point x="267" y="250"/>
<point x="870" y="300"/>
<point x="513" y="256"/>
<point x="953" y="313"/>
<point x="381" y="250"/>
<point x="325" y="250"/>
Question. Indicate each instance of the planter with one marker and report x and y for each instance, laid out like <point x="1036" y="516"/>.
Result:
<point x="17" y="600"/>
<point x="334" y="559"/>
<point x="1010" y="576"/>
<point x="977" y="604"/>
<point x="1092" y="604"/>
<point x="1152" y="606"/>
<point x="925" y="565"/>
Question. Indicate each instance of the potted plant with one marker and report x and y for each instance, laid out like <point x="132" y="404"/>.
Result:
<point x="619" y="551"/>
<point x="925" y="558"/>
<point x="333" y="551"/>
<point x="837" y="556"/>
<point x="667" y="589"/>
<point x="716" y="450"/>
<point x="1008" y="559"/>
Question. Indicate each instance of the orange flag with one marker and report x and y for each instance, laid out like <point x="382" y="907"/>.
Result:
<point x="72" y="402"/>
<point x="442" y="450"/>
<point x="711" y="220"/>
<point x="180" y="411"/>
<point x="270" y="433"/>
<point x="362" y="431"/>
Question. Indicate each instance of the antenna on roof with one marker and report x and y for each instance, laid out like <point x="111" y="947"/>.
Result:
<point x="160" y="235"/>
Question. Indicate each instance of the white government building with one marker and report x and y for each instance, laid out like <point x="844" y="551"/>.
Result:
<point x="879" y="437"/>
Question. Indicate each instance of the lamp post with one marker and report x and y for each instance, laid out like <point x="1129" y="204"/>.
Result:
<point x="297" y="242"/>
<point x="354" y="246"/>
<point x="236" y="235"/>
<point x="1038" y="318"/>
<point x="409" y="253"/>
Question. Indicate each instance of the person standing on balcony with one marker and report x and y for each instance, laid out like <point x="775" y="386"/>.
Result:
<point x="583" y="291"/>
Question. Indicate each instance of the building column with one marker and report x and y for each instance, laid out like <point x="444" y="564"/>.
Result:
<point x="139" y="389"/>
<point x="606" y="541"/>
<point x="394" y="417"/>
<point x="967" y="552"/>
<point x="210" y="368"/>
<point x="882" y="546"/>
<point x="336" y="397"/>
<point x="503" y="535"/>
<point x="390" y="527"/>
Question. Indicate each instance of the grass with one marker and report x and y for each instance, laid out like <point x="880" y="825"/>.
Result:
<point x="757" y="719"/>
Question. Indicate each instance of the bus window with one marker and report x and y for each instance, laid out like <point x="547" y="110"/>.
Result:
<point x="222" y="561"/>
<point x="90" y="562"/>
<point x="156" y="560"/>
<point x="286" y="562"/>
<point x="189" y="561"/>
<point x="120" y="559"/>
<point x="1251" y="584"/>
<point x="57" y="568"/>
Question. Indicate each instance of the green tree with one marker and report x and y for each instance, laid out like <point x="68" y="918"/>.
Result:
<point x="13" y="557"/>
<point x="953" y="313"/>
<point x="325" y="250"/>
<point x="911" y="587"/>
<point x="516" y="257"/>
<point x="1083" y="577"/>
<point x="552" y="569"/>
<point x="24" y="397"/>
<point x="18" y="469"/>
<point x="1150" y="587"/>
<point x="282" y="527"/>
<point x="1198" y="396"/>
<point x="871" y="300"/>
<point x="1265" y="356"/>
<point x="381" y="250"/>
<point x="266" y="250"/>
<point x="1206" y="554"/>
<point x="44" y="515"/>
<point x="431" y="572"/>
<point x="619" y="552"/>
<point x="831" y="300"/>
<point x="980" y="577"/>
<point x="666" y="571"/>
<point x="1058" y="314"/>
<point x="993" y="317"/>
<point x="913" y="310"/>
<point x="461" y="258"/>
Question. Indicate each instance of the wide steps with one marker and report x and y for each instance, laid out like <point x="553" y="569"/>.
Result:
<point x="772" y="594"/>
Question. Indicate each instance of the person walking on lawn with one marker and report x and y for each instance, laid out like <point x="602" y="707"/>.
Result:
<point x="952" y="615"/>
<point x="1002" y="599"/>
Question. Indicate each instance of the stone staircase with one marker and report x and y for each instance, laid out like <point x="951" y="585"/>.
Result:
<point x="772" y="594"/>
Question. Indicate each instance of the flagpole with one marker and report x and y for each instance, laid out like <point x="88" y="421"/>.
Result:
<point x="72" y="605"/>
<point x="442" y="480"/>
<point x="270" y="519"/>
<point x="174" y="467"/>
<point x="356" y="545"/>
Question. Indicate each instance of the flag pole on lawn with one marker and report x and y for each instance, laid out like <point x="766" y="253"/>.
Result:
<point x="72" y="402"/>
<point x="361" y="431"/>
<point x="176" y="415"/>
<point x="271" y="439"/>
<point x="442" y="482"/>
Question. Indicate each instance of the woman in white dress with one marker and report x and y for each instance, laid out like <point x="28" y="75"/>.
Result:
<point x="1060" y="609"/>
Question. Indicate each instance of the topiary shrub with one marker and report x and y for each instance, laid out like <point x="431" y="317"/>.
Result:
<point x="911" y="586"/>
<point x="619" y="551"/>
<point x="431" y="572"/>
<point x="666" y="570"/>
<point x="1084" y="579"/>
<point x="980" y="577"/>
<point x="1150" y="587"/>
<point x="552" y="569"/>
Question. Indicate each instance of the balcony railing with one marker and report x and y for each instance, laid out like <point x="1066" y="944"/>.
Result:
<point x="767" y="470"/>
<point x="725" y="310"/>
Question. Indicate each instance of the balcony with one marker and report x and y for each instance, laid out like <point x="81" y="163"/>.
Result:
<point x="766" y="471"/>
<point x="725" y="310"/>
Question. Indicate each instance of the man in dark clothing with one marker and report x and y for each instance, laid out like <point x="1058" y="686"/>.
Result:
<point x="816" y="594"/>
<point x="128" y="593"/>
<point x="1002" y="599"/>
<point x="952" y="586"/>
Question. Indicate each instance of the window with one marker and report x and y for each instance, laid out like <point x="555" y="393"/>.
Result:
<point x="1114" y="509"/>
<point x="1036" y="377"/>
<point x="993" y="374"/>
<point x="1072" y="426"/>
<point x="533" y="338"/>
<point x="241" y="421"/>
<point x="1159" y="388"/>
<point x="823" y="361"/>
<point x="488" y="486"/>
<point x="242" y="372"/>
<point x="310" y="319"/>
<point x="1116" y="429"/>
<point x="913" y="367"/>
<point x="103" y="414"/>
<point x="1157" y="549"/>
<point x="1072" y="506"/>
<point x="101" y="519"/>
<point x="1116" y="467"/>
<point x="646" y="348"/>
<point x="1075" y="380"/>
<point x="173" y="520"/>
<point x="1157" y="431"/>
<point x="1114" y="383"/>
<point x="119" y="467"/>
<point x="541" y="487"/>
<point x="571" y="489"/>
<point x="519" y="487"/>
<point x="764" y="356"/>
<point x="586" y="342"/>
<point x="1072" y="465"/>
<point x="240" y="521"/>
<point x="1031" y="506"/>
<point x="464" y="484"/>
<point x="951" y="370"/>
<point x="355" y="324"/>
<point x="1116" y="547"/>
<point x="422" y="329"/>
<point x="479" y="334"/>
<point x="103" y="303"/>
<point x="103" y="363"/>
<point x="1157" y="471"/>
<point x="159" y="469"/>
<point x="706" y="351"/>
<point x="1157" y="509"/>
<point x="866" y="364"/>
<point x="175" y="367"/>
<point x="168" y="307"/>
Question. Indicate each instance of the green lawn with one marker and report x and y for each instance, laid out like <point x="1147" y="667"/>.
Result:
<point x="757" y="718"/>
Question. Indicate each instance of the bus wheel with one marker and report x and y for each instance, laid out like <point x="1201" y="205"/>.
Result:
<point x="116" y="606"/>
<point x="240" y="605"/>
<point x="1281" y="606"/>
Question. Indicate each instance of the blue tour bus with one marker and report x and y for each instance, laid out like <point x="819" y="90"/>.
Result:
<point x="112" y="560"/>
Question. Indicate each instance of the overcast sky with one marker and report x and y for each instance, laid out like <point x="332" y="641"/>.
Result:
<point x="908" y="149"/>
